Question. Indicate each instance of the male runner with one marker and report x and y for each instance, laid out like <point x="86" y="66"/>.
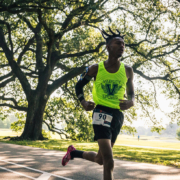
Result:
<point x="111" y="79"/>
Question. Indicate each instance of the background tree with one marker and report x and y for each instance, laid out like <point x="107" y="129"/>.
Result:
<point x="34" y="50"/>
<point x="178" y="134"/>
<point x="46" y="44"/>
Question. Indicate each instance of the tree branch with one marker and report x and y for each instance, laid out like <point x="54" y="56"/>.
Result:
<point x="9" y="99"/>
<point x="71" y="15"/>
<point x="151" y="78"/>
<point x="59" y="82"/>
<point x="176" y="88"/>
<point x="4" y="83"/>
<point x="147" y="112"/>
<point x="19" y="108"/>
<point x="26" y="48"/>
<point x="62" y="66"/>
<point x="149" y="27"/>
<point x="174" y="70"/>
<point x="15" y="8"/>
<point x="65" y="55"/>
<point x="4" y="65"/>
<point x="39" y="53"/>
<point x="164" y="53"/>
<point x="6" y="76"/>
<point x="58" y="131"/>
<point x="14" y="66"/>
<point x="82" y="10"/>
<point x="51" y="37"/>
<point x="9" y="33"/>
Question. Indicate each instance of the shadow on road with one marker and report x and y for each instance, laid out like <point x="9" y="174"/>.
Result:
<point x="79" y="169"/>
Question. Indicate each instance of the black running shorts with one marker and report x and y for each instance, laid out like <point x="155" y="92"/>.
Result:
<point x="109" y="130"/>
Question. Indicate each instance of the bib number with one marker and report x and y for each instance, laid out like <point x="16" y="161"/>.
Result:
<point x="102" y="118"/>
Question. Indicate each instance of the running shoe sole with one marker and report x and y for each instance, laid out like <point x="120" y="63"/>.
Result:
<point x="67" y="157"/>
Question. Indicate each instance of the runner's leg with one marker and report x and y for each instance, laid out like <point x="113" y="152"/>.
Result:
<point x="93" y="156"/>
<point x="107" y="155"/>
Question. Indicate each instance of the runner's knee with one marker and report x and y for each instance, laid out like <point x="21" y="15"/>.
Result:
<point x="99" y="160"/>
<point x="108" y="162"/>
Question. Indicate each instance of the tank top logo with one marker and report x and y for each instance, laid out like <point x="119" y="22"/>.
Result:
<point x="110" y="88"/>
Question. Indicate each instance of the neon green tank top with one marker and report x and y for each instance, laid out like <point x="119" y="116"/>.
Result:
<point x="108" y="88"/>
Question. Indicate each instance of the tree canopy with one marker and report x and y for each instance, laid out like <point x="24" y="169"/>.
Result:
<point x="45" y="45"/>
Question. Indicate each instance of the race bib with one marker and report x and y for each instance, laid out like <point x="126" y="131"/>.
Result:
<point x="102" y="118"/>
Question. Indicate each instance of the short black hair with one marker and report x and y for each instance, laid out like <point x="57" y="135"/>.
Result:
<point x="110" y="37"/>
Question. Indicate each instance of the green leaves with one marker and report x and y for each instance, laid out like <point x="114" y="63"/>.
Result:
<point x="178" y="134"/>
<point x="18" y="126"/>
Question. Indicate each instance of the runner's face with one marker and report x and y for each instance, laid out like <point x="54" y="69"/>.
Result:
<point x="116" y="47"/>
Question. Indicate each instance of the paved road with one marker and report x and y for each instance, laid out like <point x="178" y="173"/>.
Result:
<point x="23" y="163"/>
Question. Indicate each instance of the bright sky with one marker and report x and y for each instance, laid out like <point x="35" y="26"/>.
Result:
<point x="164" y="105"/>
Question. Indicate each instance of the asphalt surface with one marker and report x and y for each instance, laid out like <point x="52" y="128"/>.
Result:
<point x="23" y="163"/>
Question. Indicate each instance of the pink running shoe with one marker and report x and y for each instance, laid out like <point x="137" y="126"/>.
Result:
<point x="67" y="157"/>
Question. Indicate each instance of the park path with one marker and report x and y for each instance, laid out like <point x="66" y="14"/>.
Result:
<point x="23" y="162"/>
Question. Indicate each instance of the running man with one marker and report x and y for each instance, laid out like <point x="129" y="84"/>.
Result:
<point x="111" y="79"/>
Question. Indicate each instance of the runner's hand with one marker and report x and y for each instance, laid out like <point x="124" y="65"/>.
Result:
<point x="88" y="105"/>
<point x="125" y="104"/>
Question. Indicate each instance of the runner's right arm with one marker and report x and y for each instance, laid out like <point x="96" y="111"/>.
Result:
<point x="85" y="78"/>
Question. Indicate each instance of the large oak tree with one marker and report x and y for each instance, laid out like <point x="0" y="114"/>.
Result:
<point x="46" y="44"/>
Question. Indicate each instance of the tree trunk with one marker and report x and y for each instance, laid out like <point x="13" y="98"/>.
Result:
<point x="34" y="120"/>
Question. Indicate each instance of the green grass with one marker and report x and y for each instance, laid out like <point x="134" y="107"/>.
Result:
<point x="130" y="140"/>
<point x="122" y="139"/>
<point x="155" y="156"/>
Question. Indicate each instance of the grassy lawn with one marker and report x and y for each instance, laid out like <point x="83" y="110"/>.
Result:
<point x="144" y="141"/>
<point x="8" y="132"/>
<point x="122" y="139"/>
<point x="155" y="156"/>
